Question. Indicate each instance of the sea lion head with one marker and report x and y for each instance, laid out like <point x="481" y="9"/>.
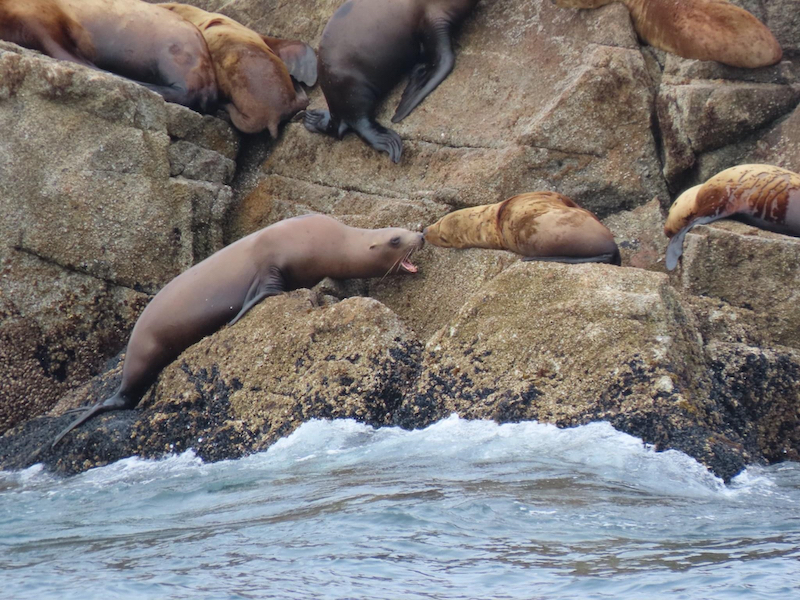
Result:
<point x="444" y="233"/>
<point x="682" y="211"/>
<point x="392" y="248"/>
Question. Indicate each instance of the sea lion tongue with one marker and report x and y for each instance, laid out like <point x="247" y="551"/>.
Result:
<point x="408" y="266"/>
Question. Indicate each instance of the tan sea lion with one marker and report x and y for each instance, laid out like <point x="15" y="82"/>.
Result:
<point x="253" y="71"/>
<point x="291" y="254"/>
<point x="700" y="29"/>
<point x="761" y="195"/>
<point x="538" y="225"/>
<point x="366" y="47"/>
<point x="140" y="41"/>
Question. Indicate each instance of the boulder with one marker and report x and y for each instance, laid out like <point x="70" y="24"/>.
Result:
<point x="488" y="132"/>
<point x="292" y="358"/>
<point x="750" y="269"/>
<point x="573" y="344"/>
<point x="93" y="218"/>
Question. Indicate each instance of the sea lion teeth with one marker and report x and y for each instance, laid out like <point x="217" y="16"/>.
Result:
<point x="762" y="195"/>
<point x="366" y="47"/>
<point x="291" y="254"/>
<point x="699" y="29"/>
<point x="537" y="225"/>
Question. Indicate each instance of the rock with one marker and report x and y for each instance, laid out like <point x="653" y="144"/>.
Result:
<point x="758" y="396"/>
<point x="92" y="220"/>
<point x="107" y="192"/>
<point x="488" y="132"/>
<point x="640" y="236"/>
<point x="244" y="387"/>
<point x="703" y="115"/>
<point x="747" y="268"/>
<point x="446" y="278"/>
<point x="783" y="19"/>
<point x="573" y="344"/>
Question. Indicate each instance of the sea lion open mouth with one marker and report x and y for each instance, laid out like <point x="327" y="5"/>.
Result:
<point x="407" y="266"/>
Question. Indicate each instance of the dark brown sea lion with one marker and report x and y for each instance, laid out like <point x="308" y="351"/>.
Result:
<point x="366" y="47"/>
<point x="538" y="225"/>
<point x="291" y="254"/>
<point x="761" y="195"/>
<point x="140" y="41"/>
<point x="253" y="71"/>
<point x="700" y="29"/>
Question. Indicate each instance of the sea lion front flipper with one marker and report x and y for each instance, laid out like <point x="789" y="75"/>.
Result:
<point x="299" y="58"/>
<point x="425" y="77"/>
<point x="675" y="246"/>
<point x="262" y="287"/>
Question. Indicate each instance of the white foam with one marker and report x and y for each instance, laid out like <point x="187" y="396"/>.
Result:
<point x="596" y="450"/>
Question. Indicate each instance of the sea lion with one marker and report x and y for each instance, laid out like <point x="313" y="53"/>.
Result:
<point x="700" y="29"/>
<point x="140" y="41"/>
<point x="366" y="48"/>
<point x="761" y="195"/>
<point x="538" y="225"/>
<point x="253" y="71"/>
<point x="291" y="254"/>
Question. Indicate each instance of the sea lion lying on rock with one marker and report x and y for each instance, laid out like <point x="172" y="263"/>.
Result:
<point x="700" y="29"/>
<point x="538" y="225"/>
<point x="761" y="195"/>
<point x="253" y="71"/>
<point x="366" y="48"/>
<point x="140" y="41"/>
<point x="291" y="254"/>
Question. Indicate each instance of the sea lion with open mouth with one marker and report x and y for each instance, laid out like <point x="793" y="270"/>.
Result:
<point x="291" y="254"/>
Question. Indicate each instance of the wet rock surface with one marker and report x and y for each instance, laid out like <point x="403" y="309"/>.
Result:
<point x="107" y="192"/>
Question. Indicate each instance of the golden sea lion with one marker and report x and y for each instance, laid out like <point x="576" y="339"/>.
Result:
<point x="139" y="41"/>
<point x="366" y="47"/>
<point x="761" y="195"/>
<point x="291" y="254"/>
<point x="253" y="71"/>
<point x="537" y="225"/>
<point x="700" y="29"/>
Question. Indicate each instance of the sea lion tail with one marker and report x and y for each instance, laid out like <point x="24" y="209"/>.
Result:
<point x="115" y="402"/>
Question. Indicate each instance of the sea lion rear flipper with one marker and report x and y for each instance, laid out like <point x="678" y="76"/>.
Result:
<point x="262" y="287"/>
<point x="298" y="56"/>
<point x="427" y="76"/>
<point x="115" y="402"/>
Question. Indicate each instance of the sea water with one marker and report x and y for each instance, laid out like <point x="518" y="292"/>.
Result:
<point x="462" y="509"/>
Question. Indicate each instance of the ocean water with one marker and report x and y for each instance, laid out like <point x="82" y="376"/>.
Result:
<point x="462" y="509"/>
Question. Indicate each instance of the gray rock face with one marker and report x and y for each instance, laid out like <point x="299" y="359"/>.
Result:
<point x="107" y="192"/>
<point x="92" y="219"/>
<point x="750" y="269"/>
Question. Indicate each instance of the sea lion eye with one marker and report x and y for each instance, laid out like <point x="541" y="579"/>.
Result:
<point x="395" y="241"/>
